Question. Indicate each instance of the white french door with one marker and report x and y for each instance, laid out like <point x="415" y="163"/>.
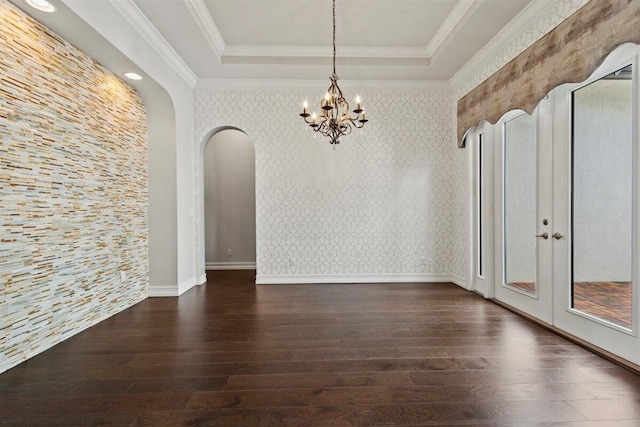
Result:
<point x="567" y="203"/>
<point x="523" y="212"/>
<point x="596" y="205"/>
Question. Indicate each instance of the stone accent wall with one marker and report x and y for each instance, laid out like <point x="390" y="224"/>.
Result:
<point x="73" y="185"/>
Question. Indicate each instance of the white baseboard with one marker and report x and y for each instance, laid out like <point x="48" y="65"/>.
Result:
<point x="352" y="278"/>
<point x="163" y="291"/>
<point x="460" y="281"/>
<point x="230" y="265"/>
<point x="171" y="291"/>
<point x="203" y="279"/>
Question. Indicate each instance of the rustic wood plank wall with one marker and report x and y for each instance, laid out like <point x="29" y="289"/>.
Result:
<point x="569" y="53"/>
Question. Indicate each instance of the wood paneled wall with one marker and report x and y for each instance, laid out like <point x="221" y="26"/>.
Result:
<point x="569" y="53"/>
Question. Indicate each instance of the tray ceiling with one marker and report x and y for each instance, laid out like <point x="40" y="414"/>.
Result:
<point x="291" y="39"/>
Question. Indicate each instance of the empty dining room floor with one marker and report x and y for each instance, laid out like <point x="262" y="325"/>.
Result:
<point x="230" y="353"/>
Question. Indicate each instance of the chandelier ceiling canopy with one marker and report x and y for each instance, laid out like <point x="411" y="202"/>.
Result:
<point x="335" y="119"/>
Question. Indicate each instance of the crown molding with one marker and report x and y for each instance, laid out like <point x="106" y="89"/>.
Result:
<point x="302" y="55"/>
<point x="531" y="13"/>
<point x="325" y="51"/>
<point x="458" y="16"/>
<point x="249" y="54"/>
<point x="139" y="22"/>
<point x="207" y="25"/>
<point x="253" y="84"/>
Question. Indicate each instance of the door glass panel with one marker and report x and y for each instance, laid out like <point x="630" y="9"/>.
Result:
<point x="520" y="204"/>
<point x="602" y="198"/>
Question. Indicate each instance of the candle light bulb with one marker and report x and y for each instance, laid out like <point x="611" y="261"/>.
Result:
<point x="327" y="96"/>
<point x="305" y="104"/>
<point x="358" y="105"/>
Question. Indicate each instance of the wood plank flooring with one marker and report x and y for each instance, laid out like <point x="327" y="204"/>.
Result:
<point x="233" y="354"/>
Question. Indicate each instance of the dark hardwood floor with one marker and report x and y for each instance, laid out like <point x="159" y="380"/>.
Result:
<point x="233" y="354"/>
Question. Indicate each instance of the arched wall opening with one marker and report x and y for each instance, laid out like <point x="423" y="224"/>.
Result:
<point x="227" y="189"/>
<point x="162" y="128"/>
<point x="163" y="233"/>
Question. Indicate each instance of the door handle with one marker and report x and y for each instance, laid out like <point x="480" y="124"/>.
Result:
<point x="557" y="236"/>
<point x="545" y="236"/>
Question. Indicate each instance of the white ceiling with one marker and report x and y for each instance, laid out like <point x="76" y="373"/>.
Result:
<point x="291" y="39"/>
<point x="381" y="40"/>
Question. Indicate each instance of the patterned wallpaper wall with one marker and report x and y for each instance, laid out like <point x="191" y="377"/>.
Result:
<point x="381" y="203"/>
<point x="73" y="184"/>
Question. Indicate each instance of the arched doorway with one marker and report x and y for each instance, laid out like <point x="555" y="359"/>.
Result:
<point x="229" y="213"/>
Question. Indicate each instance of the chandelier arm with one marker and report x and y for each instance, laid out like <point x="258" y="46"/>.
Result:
<point x="350" y="117"/>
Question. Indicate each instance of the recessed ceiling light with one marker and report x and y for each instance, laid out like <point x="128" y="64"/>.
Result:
<point x="133" y="76"/>
<point x="42" y="5"/>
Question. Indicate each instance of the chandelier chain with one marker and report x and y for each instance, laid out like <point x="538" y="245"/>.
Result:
<point x="334" y="36"/>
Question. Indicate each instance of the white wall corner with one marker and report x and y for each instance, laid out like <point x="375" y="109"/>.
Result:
<point x="458" y="16"/>
<point x="460" y="281"/>
<point x="139" y="22"/>
<point x="186" y="285"/>
<point x="207" y="25"/>
<point x="203" y="279"/>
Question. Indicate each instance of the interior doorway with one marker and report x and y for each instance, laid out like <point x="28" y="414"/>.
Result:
<point x="229" y="201"/>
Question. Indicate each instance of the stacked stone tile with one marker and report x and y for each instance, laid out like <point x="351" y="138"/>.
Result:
<point x="73" y="185"/>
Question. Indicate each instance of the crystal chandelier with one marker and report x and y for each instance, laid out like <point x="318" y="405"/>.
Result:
<point x="335" y="118"/>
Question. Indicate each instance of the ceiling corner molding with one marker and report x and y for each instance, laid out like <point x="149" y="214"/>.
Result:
<point x="291" y="84"/>
<point x="458" y="16"/>
<point x="139" y="22"/>
<point x="531" y="14"/>
<point x="247" y="52"/>
<point x="207" y="25"/>
<point x="309" y="55"/>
